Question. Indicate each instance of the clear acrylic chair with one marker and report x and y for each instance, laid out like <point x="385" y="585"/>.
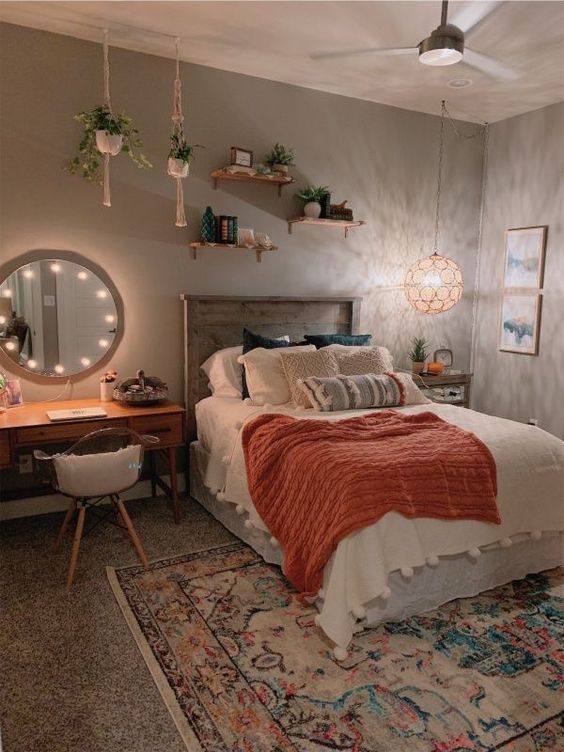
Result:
<point x="103" y="464"/>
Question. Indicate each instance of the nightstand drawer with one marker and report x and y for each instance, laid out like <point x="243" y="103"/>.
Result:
<point x="5" y="457"/>
<point x="168" y="428"/>
<point x="62" y="431"/>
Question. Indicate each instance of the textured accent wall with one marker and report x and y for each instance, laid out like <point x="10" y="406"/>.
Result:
<point x="382" y="159"/>
<point x="525" y="187"/>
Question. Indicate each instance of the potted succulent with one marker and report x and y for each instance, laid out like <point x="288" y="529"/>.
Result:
<point x="280" y="158"/>
<point x="105" y="133"/>
<point x="312" y="196"/>
<point x="418" y="354"/>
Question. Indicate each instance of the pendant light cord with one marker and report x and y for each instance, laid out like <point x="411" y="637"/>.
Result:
<point x="439" y="178"/>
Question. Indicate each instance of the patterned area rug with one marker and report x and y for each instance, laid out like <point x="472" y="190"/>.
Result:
<point x="242" y="668"/>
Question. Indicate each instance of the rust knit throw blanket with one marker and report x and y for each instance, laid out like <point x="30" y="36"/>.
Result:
<point x="314" y="482"/>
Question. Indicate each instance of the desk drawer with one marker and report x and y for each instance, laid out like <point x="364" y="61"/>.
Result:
<point x="37" y="435"/>
<point x="5" y="458"/>
<point x="168" y="428"/>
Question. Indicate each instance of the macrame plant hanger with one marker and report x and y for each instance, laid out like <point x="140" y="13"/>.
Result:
<point x="107" y="102"/>
<point x="178" y="131"/>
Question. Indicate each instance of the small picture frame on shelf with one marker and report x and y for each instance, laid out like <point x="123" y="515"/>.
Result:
<point x="241" y="157"/>
<point x="13" y="395"/>
<point x="246" y="237"/>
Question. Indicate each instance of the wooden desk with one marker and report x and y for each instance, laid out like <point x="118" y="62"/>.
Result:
<point x="29" y="426"/>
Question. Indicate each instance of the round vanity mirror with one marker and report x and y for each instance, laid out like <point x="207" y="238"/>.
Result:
<point x="58" y="316"/>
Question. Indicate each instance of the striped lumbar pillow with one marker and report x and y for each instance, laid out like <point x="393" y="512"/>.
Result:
<point x="353" y="392"/>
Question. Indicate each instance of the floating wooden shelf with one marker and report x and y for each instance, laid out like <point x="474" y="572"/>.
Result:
<point x="257" y="249"/>
<point x="277" y="180"/>
<point x="343" y="223"/>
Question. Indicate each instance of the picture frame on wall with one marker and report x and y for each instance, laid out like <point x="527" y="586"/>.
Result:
<point x="525" y="249"/>
<point x="241" y="157"/>
<point x="520" y="322"/>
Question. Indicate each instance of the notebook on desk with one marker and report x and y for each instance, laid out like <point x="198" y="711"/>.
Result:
<point x="78" y="413"/>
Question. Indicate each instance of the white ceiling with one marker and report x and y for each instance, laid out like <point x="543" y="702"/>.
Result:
<point x="274" y="40"/>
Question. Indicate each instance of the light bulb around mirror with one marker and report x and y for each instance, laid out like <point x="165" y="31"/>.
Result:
<point x="109" y="318"/>
<point x="10" y="346"/>
<point x="101" y="294"/>
<point x="7" y="294"/>
<point x="85" y="362"/>
<point x="103" y="342"/>
<point x="59" y="368"/>
<point x="31" y="363"/>
<point x="55" y="267"/>
<point x="28" y="274"/>
<point x="82" y="275"/>
<point x="3" y="320"/>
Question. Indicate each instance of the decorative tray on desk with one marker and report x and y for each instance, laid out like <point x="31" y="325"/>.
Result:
<point x="141" y="390"/>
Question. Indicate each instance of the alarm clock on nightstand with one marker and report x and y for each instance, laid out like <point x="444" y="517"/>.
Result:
<point x="444" y="356"/>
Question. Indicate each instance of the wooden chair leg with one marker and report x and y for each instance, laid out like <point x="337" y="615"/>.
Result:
<point x="68" y="517"/>
<point x="153" y="471"/>
<point x="173" y="483"/>
<point x="132" y="533"/>
<point x="120" y="520"/>
<point x="76" y="545"/>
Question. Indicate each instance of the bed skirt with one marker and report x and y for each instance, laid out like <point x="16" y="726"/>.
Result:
<point x="429" y="587"/>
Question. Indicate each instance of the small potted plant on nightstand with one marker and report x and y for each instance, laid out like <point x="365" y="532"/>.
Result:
<point x="280" y="158"/>
<point x="418" y="354"/>
<point x="312" y="196"/>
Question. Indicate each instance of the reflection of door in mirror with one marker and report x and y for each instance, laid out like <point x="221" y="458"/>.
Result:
<point x="56" y="317"/>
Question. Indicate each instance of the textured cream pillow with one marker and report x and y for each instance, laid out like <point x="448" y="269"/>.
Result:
<point x="265" y="376"/>
<point x="301" y="365"/>
<point x="413" y="395"/>
<point x="340" y="350"/>
<point x="361" y="362"/>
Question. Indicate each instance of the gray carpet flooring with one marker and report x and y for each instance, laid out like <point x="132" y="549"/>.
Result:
<point x="72" y="677"/>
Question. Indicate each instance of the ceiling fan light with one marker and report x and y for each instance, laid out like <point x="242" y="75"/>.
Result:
<point x="444" y="56"/>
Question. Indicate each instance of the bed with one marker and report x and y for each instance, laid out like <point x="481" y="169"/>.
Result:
<point x="396" y="567"/>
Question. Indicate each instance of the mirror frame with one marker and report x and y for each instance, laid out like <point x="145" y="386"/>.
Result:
<point x="9" y="267"/>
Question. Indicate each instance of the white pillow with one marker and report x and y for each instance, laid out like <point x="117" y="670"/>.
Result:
<point x="224" y="372"/>
<point x="345" y="349"/>
<point x="413" y="395"/>
<point x="98" y="474"/>
<point x="265" y="375"/>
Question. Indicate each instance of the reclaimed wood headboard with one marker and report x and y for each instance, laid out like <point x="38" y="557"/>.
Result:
<point x="212" y="323"/>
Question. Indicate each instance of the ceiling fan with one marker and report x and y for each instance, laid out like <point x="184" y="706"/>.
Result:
<point x="445" y="45"/>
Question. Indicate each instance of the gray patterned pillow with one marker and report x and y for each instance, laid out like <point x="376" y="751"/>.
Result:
<point x="299" y="365"/>
<point x="353" y="392"/>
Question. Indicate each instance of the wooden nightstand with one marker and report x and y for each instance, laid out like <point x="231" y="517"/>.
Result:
<point x="461" y="382"/>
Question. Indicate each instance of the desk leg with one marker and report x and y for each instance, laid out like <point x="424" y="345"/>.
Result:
<point x="173" y="483"/>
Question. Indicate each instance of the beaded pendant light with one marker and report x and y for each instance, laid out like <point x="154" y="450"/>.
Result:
<point x="434" y="284"/>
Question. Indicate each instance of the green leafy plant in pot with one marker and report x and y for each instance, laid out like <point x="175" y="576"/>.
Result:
<point x="280" y="158"/>
<point x="418" y="354"/>
<point x="313" y="195"/>
<point x="105" y="133"/>
<point x="180" y="155"/>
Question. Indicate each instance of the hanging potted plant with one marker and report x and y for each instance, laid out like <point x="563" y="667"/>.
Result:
<point x="312" y="196"/>
<point x="179" y="156"/>
<point x="280" y="158"/>
<point x="105" y="135"/>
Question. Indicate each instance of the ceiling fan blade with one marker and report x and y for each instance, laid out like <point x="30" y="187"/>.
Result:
<point x="472" y="13"/>
<point x="363" y="51"/>
<point x="488" y="65"/>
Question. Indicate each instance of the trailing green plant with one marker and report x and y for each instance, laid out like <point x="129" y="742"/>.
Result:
<point x="313" y="193"/>
<point x="89" y="160"/>
<point x="279" y="154"/>
<point x="418" y="352"/>
<point x="180" y="149"/>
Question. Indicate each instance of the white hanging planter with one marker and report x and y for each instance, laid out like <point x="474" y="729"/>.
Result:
<point x="312" y="210"/>
<point x="107" y="143"/>
<point x="178" y="168"/>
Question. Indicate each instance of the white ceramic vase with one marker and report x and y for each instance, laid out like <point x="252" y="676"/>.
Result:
<point x="178" y="168"/>
<point x="312" y="210"/>
<point x="106" y="143"/>
<point x="107" y="391"/>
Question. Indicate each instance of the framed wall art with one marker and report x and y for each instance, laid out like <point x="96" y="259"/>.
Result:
<point x="525" y="248"/>
<point x="520" y="323"/>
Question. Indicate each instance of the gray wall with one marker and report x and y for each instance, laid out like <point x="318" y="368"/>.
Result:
<point x="380" y="158"/>
<point x="525" y="187"/>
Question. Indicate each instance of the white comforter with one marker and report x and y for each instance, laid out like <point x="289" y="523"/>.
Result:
<point x="530" y="476"/>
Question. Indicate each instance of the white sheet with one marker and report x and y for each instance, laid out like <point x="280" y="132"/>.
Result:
<point x="530" y="474"/>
